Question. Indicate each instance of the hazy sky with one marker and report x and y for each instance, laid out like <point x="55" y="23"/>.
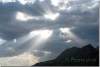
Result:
<point x="42" y="29"/>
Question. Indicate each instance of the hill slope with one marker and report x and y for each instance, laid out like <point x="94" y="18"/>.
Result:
<point x="85" y="56"/>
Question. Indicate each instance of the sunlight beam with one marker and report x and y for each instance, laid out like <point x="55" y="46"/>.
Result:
<point x="44" y="34"/>
<point x="42" y="37"/>
<point x="67" y="34"/>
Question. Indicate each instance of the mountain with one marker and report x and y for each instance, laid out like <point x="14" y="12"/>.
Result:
<point x="85" y="56"/>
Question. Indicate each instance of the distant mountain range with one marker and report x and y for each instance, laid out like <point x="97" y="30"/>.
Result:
<point x="85" y="56"/>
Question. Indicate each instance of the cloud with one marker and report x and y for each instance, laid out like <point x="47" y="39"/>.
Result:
<point x="40" y="53"/>
<point x="2" y="41"/>
<point x="81" y="15"/>
<point x="25" y="59"/>
<point x="84" y="20"/>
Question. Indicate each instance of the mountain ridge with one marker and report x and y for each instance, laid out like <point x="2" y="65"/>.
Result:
<point x="85" y="56"/>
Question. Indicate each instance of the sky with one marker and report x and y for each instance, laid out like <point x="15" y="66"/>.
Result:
<point x="42" y="29"/>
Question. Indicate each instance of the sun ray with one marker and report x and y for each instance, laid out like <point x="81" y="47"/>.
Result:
<point x="42" y="36"/>
<point x="68" y="34"/>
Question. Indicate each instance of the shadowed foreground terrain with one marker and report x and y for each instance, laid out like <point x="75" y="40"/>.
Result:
<point x="85" y="56"/>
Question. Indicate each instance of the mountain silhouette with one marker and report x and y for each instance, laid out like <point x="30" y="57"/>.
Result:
<point x="85" y="56"/>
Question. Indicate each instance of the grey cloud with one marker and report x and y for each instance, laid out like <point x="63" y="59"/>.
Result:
<point x="9" y="26"/>
<point x="85" y="21"/>
<point x="11" y="48"/>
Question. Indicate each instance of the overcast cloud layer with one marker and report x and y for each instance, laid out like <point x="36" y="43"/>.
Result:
<point x="81" y="16"/>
